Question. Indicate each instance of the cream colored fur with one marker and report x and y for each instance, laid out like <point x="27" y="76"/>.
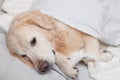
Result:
<point x="70" y="45"/>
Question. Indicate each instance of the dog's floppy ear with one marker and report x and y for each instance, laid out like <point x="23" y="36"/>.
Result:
<point x="38" y="19"/>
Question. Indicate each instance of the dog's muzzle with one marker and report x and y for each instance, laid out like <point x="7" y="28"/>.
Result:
<point x="43" y="66"/>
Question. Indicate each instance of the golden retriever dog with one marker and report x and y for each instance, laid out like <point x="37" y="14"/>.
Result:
<point x="40" y="41"/>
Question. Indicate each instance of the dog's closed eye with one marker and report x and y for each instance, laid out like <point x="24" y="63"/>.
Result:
<point x="23" y="55"/>
<point x="33" y="42"/>
<point x="27" y="58"/>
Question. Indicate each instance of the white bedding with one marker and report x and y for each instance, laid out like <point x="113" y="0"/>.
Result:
<point x="99" y="18"/>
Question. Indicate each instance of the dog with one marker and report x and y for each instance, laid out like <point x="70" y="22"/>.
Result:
<point x="40" y="41"/>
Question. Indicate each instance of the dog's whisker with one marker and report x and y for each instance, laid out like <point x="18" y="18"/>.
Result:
<point x="59" y="73"/>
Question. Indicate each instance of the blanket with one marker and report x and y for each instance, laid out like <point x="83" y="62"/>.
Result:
<point x="99" y="18"/>
<point x="94" y="17"/>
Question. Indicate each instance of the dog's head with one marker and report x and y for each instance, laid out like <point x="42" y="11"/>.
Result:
<point x="28" y="40"/>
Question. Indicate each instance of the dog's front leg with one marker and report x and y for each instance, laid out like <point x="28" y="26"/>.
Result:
<point x="65" y="64"/>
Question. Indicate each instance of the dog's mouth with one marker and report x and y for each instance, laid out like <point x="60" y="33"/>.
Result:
<point x="40" y="65"/>
<point x="43" y="67"/>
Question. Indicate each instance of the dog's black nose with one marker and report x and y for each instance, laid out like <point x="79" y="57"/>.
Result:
<point x="43" y="66"/>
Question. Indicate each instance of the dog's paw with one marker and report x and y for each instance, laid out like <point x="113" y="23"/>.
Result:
<point x="72" y="72"/>
<point x="69" y="67"/>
